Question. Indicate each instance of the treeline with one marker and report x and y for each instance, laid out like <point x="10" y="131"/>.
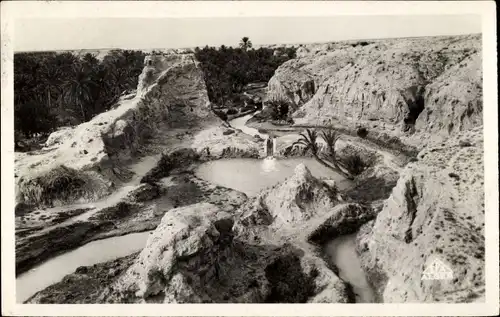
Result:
<point x="227" y="70"/>
<point x="63" y="89"/>
<point x="60" y="89"/>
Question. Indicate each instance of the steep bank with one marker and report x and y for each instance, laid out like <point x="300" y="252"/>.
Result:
<point x="435" y="212"/>
<point x="409" y="88"/>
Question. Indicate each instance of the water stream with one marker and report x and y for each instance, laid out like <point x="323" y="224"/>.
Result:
<point x="53" y="270"/>
<point x="342" y="252"/>
<point x="240" y="123"/>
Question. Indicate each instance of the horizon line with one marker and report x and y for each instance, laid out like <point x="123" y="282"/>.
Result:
<point x="258" y="46"/>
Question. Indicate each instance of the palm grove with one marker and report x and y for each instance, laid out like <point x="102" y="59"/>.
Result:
<point x="53" y="89"/>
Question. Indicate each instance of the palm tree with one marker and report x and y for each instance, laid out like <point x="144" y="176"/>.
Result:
<point x="331" y="138"/>
<point x="51" y="81"/>
<point x="245" y="43"/>
<point x="79" y="89"/>
<point x="308" y="141"/>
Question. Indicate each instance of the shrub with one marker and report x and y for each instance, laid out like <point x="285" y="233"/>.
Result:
<point x="60" y="184"/>
<point x="354" y="164"/>
<point x="362" y="132"/>
<point x="231" y="111"/>
<point x="221" y="115"/>
<point x="279" y="108"/>
<point x="248" y="108"/>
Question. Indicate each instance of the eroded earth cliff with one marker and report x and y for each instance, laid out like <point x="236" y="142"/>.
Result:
<point x="428" y="86"/>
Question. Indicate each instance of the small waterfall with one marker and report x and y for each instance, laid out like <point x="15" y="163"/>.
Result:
<point x="270" y="146"/>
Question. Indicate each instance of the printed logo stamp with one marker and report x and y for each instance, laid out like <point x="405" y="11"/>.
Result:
<point x="437" y="270"/>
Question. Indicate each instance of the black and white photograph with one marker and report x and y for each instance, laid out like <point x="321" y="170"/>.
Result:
<point x="332" y="159"/>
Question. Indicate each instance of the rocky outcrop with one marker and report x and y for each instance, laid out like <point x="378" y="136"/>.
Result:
<point x="299" y="198"/>
<point x="289" y="204"/>
<point x="399" y="86"/>
<point x="195" y="257"/>
<point x="218" y="142"/>
<point x="435" y="214"/>
<point x="261" y="253"/>
<point x="343" y="219"/>
<point x="186" y="246"/>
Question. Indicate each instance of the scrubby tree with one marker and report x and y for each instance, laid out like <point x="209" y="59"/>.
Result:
<point x="279" y="108"/>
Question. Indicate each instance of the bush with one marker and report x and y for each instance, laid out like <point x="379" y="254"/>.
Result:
<point x="60" y="184"/>
<point x="362" y="132"/>
<point x="354" y="164"/>
<point x="221" y="115"/>
<point x="231" y="111"/>
<point x="279" y="108"/>
<point x="248" y="108"/>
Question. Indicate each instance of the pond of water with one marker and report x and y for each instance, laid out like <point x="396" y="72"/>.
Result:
<point x="252" y="175"/>
<point x="53" y="270"/>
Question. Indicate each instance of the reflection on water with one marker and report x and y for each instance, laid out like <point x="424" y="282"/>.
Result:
<point x="342" y="252"/>
<point x="53" y="270"/>
<point x="252" y="175"/>
<point x="269" y="165"/>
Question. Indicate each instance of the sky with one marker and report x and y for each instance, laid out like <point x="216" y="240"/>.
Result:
<point x="147" y="33"/>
